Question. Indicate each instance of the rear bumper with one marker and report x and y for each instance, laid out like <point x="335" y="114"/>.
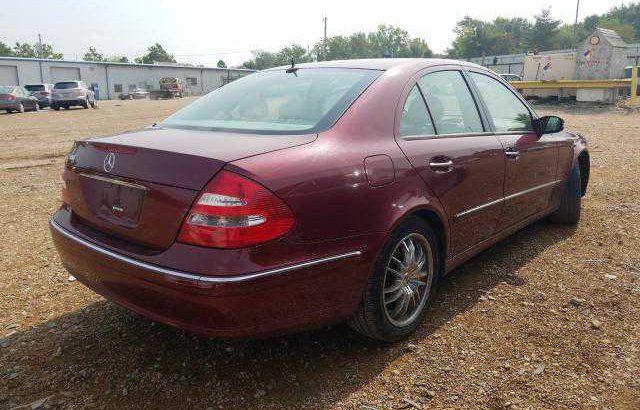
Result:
<point x="68" y="100"/>
<point x="272" y="301"/>
<point x="8" y="106"/>
<point x="44" y="101"/>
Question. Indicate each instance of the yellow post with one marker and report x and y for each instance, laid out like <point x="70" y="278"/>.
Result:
<point x="634" y="84"/>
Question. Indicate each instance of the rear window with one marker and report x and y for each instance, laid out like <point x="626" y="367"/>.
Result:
<point x="6" y="90"/>
<point x="66" y="84"/>
<point x="35" y="87"/>
<point x="276" y="102"/>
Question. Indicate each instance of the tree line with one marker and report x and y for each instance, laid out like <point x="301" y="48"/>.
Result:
<point x="474" y="38"/>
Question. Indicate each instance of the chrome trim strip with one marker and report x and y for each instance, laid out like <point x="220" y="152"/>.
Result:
<point x="198" y="278"/>
<point x="113" y="181"/>
<point x="506" y="198"/>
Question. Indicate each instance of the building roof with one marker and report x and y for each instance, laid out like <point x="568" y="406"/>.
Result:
<point x="611" y="36"/>
<point x="171" y="65"/>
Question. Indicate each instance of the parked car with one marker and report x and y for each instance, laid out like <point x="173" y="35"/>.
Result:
<point x="42" y="92"/>
<point x="301" y="196"/>
<point x="16" y="98"/>
<point x="511" y="77"/>
<point x="71" y="93"/>
<point x="137" y="94"/>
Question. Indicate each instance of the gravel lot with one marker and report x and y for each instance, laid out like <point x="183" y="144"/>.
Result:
<point x="547" y="319"/>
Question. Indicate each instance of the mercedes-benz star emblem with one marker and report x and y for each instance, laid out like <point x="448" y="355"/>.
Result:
<point x="109" y="162"/>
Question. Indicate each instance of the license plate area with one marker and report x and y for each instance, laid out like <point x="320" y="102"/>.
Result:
<point x="115" y="201"/>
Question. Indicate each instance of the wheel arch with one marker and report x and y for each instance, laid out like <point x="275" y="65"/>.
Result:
<point x="436" y="221"/>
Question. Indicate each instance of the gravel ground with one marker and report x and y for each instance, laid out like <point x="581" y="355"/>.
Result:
<point x="546" y="319"/>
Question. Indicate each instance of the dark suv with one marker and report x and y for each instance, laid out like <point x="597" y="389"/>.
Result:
<point x="42" y="92"/>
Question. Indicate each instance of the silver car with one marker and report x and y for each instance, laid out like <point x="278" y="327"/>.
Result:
<point x="70" y="93"/>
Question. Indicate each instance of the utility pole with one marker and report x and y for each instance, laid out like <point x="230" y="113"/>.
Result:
<point x="40" y="53"/>
<point x="575" y="26"/>
<point x="324" y="42"/>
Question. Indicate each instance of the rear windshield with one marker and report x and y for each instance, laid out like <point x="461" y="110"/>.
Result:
<point x="35" y="87"/>
<point x="6" y="90"/>
<point x="276" y="102"/>
<point x="66" y="84"/>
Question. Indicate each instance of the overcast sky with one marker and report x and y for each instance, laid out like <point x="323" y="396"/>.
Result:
<point x="201" y="32"/>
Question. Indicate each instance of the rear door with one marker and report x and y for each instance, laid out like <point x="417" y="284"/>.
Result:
<point x="446" y="139"/>
<point x="531" y="161"/>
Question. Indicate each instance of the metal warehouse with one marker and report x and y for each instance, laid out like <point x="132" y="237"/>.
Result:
<point x="112" y="79"/>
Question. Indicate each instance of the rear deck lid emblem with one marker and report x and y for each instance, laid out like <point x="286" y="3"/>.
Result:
<point x="109" y="162"/>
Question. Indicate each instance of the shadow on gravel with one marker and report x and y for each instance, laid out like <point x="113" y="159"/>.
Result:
<point x="103" y="356"/>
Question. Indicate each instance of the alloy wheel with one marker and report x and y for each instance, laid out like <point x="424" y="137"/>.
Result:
<point x="408" y="279"/>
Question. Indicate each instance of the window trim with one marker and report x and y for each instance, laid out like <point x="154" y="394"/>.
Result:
<point x="433" y="125"/>
<point x="485" y="108"/>
<point x="486" y="125"/>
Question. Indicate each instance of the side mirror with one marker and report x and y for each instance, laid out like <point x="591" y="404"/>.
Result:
<point x="548" y="125"/>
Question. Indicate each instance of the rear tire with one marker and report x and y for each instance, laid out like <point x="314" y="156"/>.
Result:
<point x="55" y="107"/>
<point x="569" y="210"/>
<point x="36" y="107"/>
<point x="94" y="104"/>
<point x="383" y="315"/>
<point x="85" y="104"/>
<point x="20" y="108"/>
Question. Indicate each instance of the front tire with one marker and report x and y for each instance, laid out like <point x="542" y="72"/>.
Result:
<point x="402" y="285"/>
<point x="571" y="202"/>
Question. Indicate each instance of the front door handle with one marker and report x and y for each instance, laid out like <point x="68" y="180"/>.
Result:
<point x="441" y="165"/>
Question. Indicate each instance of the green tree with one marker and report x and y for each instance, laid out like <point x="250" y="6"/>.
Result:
<point x="265" y="59"/>
<point x="24" y="50"/>
<point x="117" y="59"/>
<point x="5" y="50"/>
<point x="156" y="54"/>
<point x="93" y="55"/>
<point x="221" y="64"/>
<point x="545" y="32"/>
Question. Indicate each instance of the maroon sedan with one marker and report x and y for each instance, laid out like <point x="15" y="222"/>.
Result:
<point x="326" y="192"/>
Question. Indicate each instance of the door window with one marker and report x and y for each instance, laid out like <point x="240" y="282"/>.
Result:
<point x="453" y="109"/>
<point x="415" y="117"/>
<point x="505" y="109"/>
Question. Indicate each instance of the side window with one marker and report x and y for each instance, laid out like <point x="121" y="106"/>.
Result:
<point x="452" y="107"/>
<point x="505" y="109"/>
<point x="415" y="117"/>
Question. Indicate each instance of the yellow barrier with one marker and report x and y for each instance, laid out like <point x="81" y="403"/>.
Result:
<point x="555" y="84"/>
<point x="634" y="86"/>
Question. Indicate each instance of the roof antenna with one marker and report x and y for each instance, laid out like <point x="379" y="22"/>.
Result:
<point x="293" y="68"/>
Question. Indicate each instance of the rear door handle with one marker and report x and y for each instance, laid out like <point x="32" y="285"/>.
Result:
<point x="512" y="154"/>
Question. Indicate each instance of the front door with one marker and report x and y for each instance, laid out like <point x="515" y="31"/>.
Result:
<point x="443" y="136"/>
<point x="531" y="161"/>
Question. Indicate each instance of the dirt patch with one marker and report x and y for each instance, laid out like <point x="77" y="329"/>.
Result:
<point x="548" y="318"/>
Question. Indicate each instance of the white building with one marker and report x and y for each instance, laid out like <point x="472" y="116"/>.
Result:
<point x="114" y="78"/>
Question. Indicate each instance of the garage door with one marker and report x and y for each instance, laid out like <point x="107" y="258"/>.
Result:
<point x="64" y="74"/>
<point x="8" y="75"/>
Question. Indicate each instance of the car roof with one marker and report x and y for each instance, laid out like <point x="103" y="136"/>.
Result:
<point x="381" y="63"/>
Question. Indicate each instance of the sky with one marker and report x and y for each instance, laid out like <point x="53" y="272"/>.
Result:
<point x="201" y="32"/>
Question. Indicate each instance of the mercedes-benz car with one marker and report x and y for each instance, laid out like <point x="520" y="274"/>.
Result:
<point x="327" y="192"/>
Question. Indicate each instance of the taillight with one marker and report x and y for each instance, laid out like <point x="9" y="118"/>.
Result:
<point x="11" y="97"/>
<point x="233" y="212"/>
<point x="44" y="93"/>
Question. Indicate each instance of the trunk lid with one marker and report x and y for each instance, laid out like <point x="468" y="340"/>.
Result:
<point x="140" y="185"/>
